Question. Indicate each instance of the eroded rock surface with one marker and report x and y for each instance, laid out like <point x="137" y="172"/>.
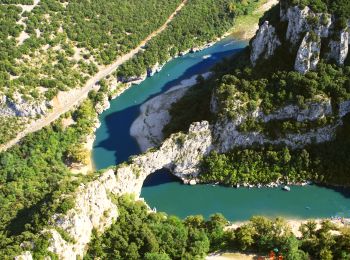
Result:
<point x="265" y="43"/>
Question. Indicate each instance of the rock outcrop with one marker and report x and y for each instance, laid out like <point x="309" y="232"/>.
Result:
<point x="227" y="136"/>
<point x="22" y="108"/>
<point x="94" y="208"/>
<point x="318" y="27"/>
<point x="308" y="54"/>
<point x="102" y="105"/>
<point x="265" y="43"/>
<point x="339" y="49"/>
<point x="297" y="23"/>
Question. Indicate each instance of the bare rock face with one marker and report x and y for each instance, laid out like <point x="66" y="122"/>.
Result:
<point x="308" y="54"/>
<point x="265" y="43"/>
<point x="22" y="108"/>
<point x="25" y="256"/>
<point x="227" y="136"/>
<point x="312" y="112"/>
<point x="344" y="108"/>
<point x="147" y="129"/>
<point x="93" y="209"/>
<point x="297" y="23"/>
<point x="339" y="49"/>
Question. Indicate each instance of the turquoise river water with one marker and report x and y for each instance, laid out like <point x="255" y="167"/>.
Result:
<point x="161" y="190"/>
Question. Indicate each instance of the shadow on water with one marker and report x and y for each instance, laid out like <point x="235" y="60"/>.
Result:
<point x="118" y="124"/>
<point x="160" y="177"/>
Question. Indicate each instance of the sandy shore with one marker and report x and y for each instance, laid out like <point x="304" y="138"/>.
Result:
<point x="154" y="115"/>
<point x="231" y="256"/>
<point x="295" y="224"/>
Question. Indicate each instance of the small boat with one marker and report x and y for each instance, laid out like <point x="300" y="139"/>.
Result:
<point x="286" y="188"/>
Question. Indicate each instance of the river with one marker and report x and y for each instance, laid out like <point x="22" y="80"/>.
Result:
<point x="161" y="190"/>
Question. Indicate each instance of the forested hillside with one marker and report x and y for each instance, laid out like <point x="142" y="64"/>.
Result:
<point x="141" y="235"/>
<point x="209" y="20"/>
<point x="259" y="100"/>
<point x="51" y="46"/>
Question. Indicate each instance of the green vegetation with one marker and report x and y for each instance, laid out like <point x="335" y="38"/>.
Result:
<point x="325" y="163"/>
<point x="280" y="128"/>
<point x="340" y="8"/>
<point x="260" y="165"/>
<point x="246" y="89"/>
<point x="209" y="19"/>
<point x="195" y="111"/>
<point x="141" y="235"/>
<point x="97" y="32"/>
<point x="33" y="177"/>
<point x="7" y="126"/>
<point x="59" y="45"/>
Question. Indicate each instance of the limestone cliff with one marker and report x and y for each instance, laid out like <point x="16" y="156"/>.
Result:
<point x="94" y="208"/>
<point x="22" y="108"/>
<point x="308" y="54"/>
<point x="305" y="32"/>
<point x="265" y="43"/>
<point x="226" y="135"/>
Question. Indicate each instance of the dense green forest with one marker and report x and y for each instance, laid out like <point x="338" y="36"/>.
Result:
<point x="209" y="20"/>
<point x="58" y="45"/>
<point x="68" y="40"/>
<point x="34" y="175"/>
<point x="141" y="235"/>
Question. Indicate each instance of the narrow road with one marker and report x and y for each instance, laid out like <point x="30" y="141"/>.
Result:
<point x="80" y="94"/>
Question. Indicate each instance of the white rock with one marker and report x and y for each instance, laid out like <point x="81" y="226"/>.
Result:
<point x="93" y="209"/>
<point x="308" y="54"/>
<point x="297" y="23"/>
<point x="25" y="256"/>
<point x="21" y="107"/>
<point x="339" y="49"/>
<point x="193" y="182"/>
<point x="154" y="115"/>
<point x="344" y="108"/>
<point x="265" y="42"/>
<point x="227" y="136"/>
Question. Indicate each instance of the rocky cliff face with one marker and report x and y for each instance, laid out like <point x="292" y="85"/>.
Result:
<point x="308" y="54"/>
<point x="226" y="135"/>
<point x="94" y="208"/>
<point x="339" y="49"/>
<point x="305" y="32"/>
<point x="265" y="43"/>
<point x="21" y="107"/>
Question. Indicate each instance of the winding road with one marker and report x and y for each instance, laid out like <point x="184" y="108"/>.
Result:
<point x="80" y="94"/>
